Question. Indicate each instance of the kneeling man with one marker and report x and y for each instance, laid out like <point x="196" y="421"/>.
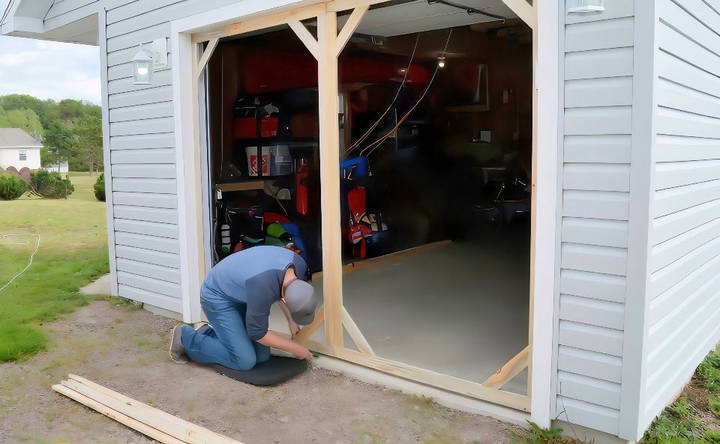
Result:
<point x="236" y="298"/>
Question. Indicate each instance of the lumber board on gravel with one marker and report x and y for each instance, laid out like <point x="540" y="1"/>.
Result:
<point x="148" y="420"/>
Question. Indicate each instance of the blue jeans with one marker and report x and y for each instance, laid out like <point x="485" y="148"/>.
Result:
<point x="227" y="343"/>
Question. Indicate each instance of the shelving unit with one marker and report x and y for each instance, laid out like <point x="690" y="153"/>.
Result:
<point x="241" y="186"/>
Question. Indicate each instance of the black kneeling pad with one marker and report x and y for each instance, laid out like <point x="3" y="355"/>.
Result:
<point x="276" y="370"/>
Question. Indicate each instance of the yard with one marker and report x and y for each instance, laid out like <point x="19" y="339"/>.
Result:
<point x="124" y="348"/>
<point x="72" y="251"/>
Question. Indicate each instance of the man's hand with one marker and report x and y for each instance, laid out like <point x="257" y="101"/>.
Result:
<point x="275" y="340"/>
<point x="303" y="353"/>
<point x="294" y="329"/>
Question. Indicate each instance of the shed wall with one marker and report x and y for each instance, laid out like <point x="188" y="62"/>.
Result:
<point x="597" y="140"/>
<point x="142" y="151"/>
<point x="683" y="313"/>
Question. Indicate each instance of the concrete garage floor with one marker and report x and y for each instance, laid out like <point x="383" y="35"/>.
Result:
<point x="459" y="308"/>
<point x="125" y="350"/>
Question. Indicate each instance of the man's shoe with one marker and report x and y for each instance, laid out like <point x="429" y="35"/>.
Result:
<point x="177" y="351"/>
<point x="202" y="328"/>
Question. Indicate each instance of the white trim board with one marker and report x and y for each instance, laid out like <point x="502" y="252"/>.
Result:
<point x="546" y="37"/>
<point x="107" y="163"/>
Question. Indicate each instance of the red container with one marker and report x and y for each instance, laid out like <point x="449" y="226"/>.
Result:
<point x="247" y="127"/>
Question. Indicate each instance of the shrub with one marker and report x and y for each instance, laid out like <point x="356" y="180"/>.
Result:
<point x="11" y="187"/>
<point x="25" y="174"/>
<point x="100" y="187"/>
<point x="51" y="185"/>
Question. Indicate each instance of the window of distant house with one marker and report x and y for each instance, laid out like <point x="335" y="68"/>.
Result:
<point x="22" y="155"/>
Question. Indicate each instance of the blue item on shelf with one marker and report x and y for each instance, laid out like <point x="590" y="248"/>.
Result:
<point x="354" y="168"/>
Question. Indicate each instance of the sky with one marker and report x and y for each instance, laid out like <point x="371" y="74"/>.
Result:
<point x="49" y="70"/>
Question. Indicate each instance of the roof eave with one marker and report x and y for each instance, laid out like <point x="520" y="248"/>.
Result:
<point x="21" y="22"/>
<point x="22" y="26"/>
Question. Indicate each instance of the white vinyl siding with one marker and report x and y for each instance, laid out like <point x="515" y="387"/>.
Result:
<point x="683" y="314"/>
<point x="598" y="97"/>
<point x="142" y="151"/>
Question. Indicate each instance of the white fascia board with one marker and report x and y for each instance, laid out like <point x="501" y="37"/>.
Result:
<point x="21" y="26"/>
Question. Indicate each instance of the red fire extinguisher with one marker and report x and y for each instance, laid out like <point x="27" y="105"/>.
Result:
<point x="301" y="187"/>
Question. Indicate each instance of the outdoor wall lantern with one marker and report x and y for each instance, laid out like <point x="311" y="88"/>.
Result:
<point x="585" y="6"/>
<point x="146" y="62"/>
<point x="142" y="67"/>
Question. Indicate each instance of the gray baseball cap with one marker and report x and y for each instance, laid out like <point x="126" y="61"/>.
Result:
<point x="302" y="301"/>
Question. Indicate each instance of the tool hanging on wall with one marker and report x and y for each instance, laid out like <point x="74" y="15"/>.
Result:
<point x="301" y="187"/>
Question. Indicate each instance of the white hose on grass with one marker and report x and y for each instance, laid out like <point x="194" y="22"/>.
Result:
<point x="32" y="256"/>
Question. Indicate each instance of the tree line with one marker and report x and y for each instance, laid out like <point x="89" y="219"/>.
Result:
<point x="70" y="130"/>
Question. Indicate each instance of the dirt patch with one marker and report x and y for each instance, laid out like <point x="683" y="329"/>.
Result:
<point x="126" y="351"/>
<point x="699" y="397"/>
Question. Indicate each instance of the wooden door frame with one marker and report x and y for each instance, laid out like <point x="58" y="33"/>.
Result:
<point x="250" y="15"/>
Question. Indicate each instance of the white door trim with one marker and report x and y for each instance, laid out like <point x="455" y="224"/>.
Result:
<point x="547" y="145"/>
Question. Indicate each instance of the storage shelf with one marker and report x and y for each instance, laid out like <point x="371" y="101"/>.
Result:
<point x="468" y="108"/>
<point x="241" y="186"/>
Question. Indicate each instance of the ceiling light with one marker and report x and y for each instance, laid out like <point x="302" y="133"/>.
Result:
<point x="441" y="62"/>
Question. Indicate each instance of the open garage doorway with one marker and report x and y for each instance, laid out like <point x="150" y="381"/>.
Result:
<point x="436" y="192"/>
<point x="431" y="181"/>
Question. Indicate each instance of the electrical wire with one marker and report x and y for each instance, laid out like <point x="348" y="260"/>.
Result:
<point x="468" y="9"/>
<point x="376" y="144"/>
<point x="367" y="133"/>
<point x="32" y="256"/>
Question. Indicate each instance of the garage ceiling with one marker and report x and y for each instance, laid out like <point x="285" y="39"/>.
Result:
<point x="420" y="16"/>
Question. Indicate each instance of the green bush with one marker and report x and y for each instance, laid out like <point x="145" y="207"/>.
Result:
<point x="11" y="187"/>
<point x="51" y="185"/>
<point x="99" y="187"/>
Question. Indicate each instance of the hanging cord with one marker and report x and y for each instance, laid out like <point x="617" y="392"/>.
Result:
<point x="468" y="9"/>
<point x="376" y="144"/>
<point x="357" y="143"/>
<point x="32" y="256"/>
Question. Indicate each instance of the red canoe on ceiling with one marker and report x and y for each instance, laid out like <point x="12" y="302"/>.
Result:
<point x="271" y="71"/>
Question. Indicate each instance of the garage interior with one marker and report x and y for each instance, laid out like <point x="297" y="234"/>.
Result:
<point x="436" y="165"/>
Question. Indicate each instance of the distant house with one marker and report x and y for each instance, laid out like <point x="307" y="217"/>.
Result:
<point x="18" y="149"/>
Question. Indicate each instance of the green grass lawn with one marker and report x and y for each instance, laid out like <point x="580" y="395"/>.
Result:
<point x="694" y="418"/>
<point x="72" y="252"/>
